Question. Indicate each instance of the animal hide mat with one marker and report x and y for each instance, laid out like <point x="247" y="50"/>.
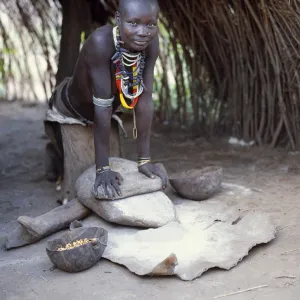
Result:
<point x="206" y="235"/>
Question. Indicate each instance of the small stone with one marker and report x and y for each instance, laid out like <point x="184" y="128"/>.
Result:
<point x="134" y="183"/>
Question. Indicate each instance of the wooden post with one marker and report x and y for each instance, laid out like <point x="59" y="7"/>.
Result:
<point x="79" y="153"/>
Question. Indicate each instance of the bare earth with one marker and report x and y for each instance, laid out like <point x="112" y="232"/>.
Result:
<point x="26" y="273"/>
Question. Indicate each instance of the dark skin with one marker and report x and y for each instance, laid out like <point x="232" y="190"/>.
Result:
<point x="95" y="75"/>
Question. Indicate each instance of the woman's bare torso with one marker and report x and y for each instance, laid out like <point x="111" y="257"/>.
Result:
<point x="81" y="87"/>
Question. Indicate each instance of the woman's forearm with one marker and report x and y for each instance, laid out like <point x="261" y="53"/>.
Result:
<point x="102" y="126"/>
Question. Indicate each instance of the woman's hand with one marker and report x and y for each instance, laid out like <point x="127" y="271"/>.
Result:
<point x="152" y="170"/>
<point x="107" y="185"/>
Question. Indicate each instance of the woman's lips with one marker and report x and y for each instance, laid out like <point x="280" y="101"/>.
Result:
<point x="141" y="43"/>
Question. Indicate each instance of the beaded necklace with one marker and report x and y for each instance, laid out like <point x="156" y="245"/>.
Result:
<point x="128" y="80"/>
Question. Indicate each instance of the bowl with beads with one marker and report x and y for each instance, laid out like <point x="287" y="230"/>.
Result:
<point x="78" y="249"/>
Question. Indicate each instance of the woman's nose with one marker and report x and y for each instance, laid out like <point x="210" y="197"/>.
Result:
<point x="143" y="31"/>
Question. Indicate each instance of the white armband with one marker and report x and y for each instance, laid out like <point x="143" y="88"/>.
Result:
<point x="103" y="102"/>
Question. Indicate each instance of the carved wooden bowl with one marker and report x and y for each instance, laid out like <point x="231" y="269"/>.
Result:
<point x="198" y="184"/>
<point x="81" y="257"/>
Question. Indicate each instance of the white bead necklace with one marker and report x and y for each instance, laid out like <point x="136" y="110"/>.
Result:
<point x="129" y="60"/>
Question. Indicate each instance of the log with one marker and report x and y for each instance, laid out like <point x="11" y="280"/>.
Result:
<point x="79" y="153"/>
<point x="30" y="230"/>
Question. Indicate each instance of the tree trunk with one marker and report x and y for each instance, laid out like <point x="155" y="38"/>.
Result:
<point x="79" y="152"/>
<point x="76" y="19"/>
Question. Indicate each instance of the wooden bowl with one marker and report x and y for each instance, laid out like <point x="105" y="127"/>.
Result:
<point x="81" y="257"/>
<point x="198" y="184"/>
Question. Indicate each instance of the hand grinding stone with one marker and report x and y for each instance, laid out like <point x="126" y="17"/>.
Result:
<point x="142" y="204"/>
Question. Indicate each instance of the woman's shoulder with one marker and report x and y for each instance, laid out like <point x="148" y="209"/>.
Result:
<point x="152" y="50"/>
<point x="100" y="44"/>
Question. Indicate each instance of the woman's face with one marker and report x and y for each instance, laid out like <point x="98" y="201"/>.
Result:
<point x="138" y="25"/>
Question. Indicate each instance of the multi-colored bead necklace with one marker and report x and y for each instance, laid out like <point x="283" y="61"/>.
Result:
<point x="129" y="82"/>
<point x="126" y="79"/>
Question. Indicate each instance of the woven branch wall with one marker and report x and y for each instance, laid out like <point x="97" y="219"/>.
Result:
<point x="250" y="54"/>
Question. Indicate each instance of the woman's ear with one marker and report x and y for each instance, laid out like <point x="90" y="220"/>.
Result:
<point x="117" y="18"/>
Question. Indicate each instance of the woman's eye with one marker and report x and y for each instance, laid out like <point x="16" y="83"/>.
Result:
<point x="132" y="23"/>
<point x="152" y="25"/>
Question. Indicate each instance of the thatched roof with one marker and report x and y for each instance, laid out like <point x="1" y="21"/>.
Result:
<point x="233" y="66"/>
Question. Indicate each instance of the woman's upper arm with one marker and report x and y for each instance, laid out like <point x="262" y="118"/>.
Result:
<point x="98" y="64"/>
<point x="151" y="57"/>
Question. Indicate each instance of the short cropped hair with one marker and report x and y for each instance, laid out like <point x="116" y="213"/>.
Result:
<point x="124" y="3"/>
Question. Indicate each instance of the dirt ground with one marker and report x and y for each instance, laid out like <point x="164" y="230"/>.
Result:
<point x="273" y="176"/>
